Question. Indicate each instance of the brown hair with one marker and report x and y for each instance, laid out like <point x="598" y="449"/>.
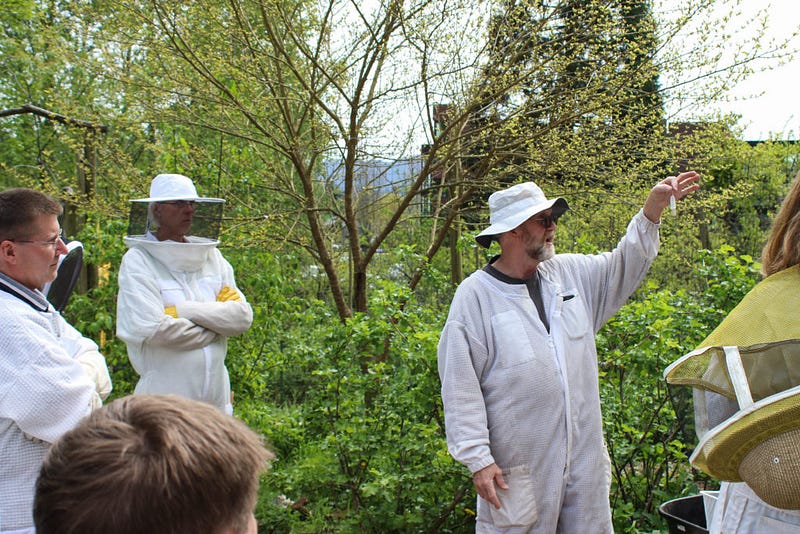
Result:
<point x="19" y="208"/>
<point x="151" y="463"/>
<point x="783" y="245"/>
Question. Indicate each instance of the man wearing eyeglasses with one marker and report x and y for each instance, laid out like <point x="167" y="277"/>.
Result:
<point x="518" y="363"/>
<point x="178" y="302"/>
<point x="50" y="375"/>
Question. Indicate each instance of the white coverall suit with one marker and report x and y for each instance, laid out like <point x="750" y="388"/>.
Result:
<point x="184" y="355"/>
<point x="528" y="400"/>
<point x="50" y="378"/>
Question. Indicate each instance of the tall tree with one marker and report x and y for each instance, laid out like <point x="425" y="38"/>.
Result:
<point x="591" y="86"/>
<point x="311" y="83"/>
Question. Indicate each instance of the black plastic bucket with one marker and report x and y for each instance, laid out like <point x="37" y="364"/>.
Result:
<point x="686" y="515"/>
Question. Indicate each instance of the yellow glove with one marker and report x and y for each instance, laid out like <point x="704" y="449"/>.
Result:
<point x="171" y="311"/>
<point x="227" y="293"/>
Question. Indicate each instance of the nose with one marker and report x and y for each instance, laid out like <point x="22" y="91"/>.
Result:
<point x="61" y="248"/>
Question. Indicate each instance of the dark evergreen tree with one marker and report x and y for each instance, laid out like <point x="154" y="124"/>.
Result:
<point x="582" y="89"/>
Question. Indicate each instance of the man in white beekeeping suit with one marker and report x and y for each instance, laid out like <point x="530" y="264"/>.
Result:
<point x="518" y="363"/>
<point x="51" y="376"/>
<point x="178" y="302"/>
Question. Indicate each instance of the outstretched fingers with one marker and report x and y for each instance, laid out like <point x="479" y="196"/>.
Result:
<point x="685" y="183"/>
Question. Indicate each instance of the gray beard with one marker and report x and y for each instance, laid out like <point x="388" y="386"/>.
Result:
<point x="541" y="253"/>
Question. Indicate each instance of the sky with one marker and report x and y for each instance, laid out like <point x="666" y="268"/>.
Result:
<point x="776" y="109"/>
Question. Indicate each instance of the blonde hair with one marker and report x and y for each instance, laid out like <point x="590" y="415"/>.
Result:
<point x="783" y="245"/>
<point x="160" y="464"/>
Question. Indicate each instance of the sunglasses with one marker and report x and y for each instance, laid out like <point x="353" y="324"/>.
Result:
<point x="546" y="220"/>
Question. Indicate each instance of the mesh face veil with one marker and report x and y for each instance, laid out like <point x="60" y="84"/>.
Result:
<point x="179" y="192"/>
<point x="206" y="221"/>
<point x="746" y="376"/>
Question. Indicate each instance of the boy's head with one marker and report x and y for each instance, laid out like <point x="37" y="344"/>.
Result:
<point x="152" y="463"/>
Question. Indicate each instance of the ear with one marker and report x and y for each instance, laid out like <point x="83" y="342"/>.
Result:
<point x="8" y="252"/>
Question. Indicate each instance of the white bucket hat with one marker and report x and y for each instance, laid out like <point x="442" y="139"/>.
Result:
<point x="513" y="206"/>
<point x="166" y="187"/>
<point x="753" y="359"/>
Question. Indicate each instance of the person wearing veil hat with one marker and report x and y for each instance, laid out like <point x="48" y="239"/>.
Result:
<point x="746" y="380"/>
<point x="178" y="301"/>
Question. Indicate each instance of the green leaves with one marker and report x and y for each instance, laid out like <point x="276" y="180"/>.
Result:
<point x="649" y="425"/>
<point x="368" y="449"/>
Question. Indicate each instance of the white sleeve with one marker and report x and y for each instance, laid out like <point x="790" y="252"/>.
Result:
<point x="229" y="318"/>
<point x="140" y="311"/>
<point x="628" y="265"/>
<point x="86" y="352"/>
<point x="466" y="424"/>
<point x="94" y="364"/>
<point x="49" y="390"/>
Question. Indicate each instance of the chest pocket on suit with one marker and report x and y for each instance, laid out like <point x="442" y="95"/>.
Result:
<point x="573" y="315"/>
<point x="511" y="342"/>
<point x="172" y="292"/>
<point x="209" y="286"/>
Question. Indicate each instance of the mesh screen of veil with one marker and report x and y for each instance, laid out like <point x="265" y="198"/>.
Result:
<point x="205" y="223"/>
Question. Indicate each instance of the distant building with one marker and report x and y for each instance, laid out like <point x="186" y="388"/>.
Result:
<point x="376" y="176"/>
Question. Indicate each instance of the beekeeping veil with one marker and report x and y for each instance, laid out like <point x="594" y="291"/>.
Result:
<point x="176" y="187"/>
<point x="746" y="376"/>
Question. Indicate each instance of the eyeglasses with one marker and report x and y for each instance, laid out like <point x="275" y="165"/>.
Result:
<point x="53" y="243"/>
<point x="180" y="204"/>
<point x="546" y="220"/>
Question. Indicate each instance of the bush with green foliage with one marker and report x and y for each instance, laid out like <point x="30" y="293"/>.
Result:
<point x="354" y="414"/>
<point x="358" y="432"/>
<point x="649" y="425"/>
